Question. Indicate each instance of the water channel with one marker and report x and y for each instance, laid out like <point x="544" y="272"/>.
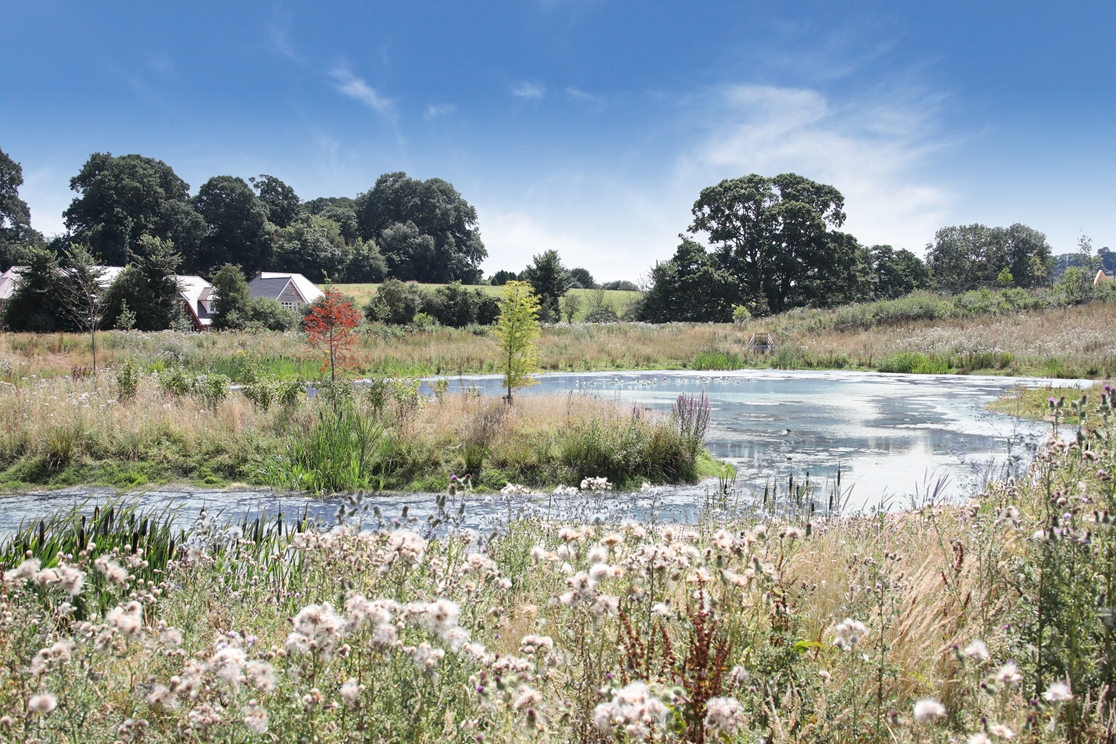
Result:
<point x="889" y="440"/>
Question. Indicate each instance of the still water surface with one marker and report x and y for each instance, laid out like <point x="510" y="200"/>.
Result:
<point x="894" y="440"/>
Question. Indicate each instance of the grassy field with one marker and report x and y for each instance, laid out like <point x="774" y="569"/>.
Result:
<point x="175" y="427"/>
<point x="979" y="623"/>
<point x="618" y="300"/>
<point x="1073" y="342"/>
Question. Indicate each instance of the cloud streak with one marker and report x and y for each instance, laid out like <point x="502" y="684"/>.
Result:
<point x="874" y="154"/>
<point x="350" y="85"/>
<point x="528" y="90"/>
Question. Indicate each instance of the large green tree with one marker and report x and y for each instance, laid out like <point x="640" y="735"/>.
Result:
<point x="314" y="245"/>
<point x="692" y="286"/>
<point x="16" y="233"/>
<point x="121" y="199"/>
<point x="964" y="257"/>
<point x="773" y="236"/>
<point x="425" y="229"/>
<point x="550" y="280"/>
<point x="148" y="287"/>
<point x="34" y="304"/>
<point x="238" y="228"/>
<point x="280" y="200"/>
<point x="894" y="273"/>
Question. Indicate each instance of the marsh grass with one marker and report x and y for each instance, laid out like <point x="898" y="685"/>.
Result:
<point x="177" y="426"/>
<point x="774" y="628"/>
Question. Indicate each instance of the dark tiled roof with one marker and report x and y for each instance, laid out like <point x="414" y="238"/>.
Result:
<point x="269" y="288"/>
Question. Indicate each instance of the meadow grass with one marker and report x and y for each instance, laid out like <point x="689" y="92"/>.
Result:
<point x="1066" y="342"/>
<point x="617" y="299"/>
<point x="982" y="622"/>
<point x="177" y="427"/>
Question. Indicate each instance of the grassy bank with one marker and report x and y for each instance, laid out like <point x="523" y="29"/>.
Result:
<point x="176" y="427"/>
<point x="978" y="623"/>
<point x="617" y="299"/>
<point x="1055" y="342"/>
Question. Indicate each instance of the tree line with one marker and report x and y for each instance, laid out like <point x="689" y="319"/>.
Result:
<point x="775" y="244"/>
<point x="757" y="245"/>
<point x="401" y="227"/>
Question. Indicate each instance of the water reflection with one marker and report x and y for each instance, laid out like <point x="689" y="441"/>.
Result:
<point x="887" y="439"/>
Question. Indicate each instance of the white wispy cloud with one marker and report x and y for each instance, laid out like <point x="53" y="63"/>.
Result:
<point x="873" y="153"/>
<point x="528" y="89"/>
<point x="433" y="111"/>
<point x="580" y="95"/>
<point x="353" y="87"/>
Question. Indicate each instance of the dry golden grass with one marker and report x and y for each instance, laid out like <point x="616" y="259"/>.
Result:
<point x="1070" y="342"/>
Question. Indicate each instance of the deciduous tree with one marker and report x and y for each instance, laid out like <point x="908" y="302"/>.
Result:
<point x="278" y="198"/>
<point x="330" y="327"/>
<point x="237" y="226"/>
<point x="425" y="229"/>
<point x="550" y="280"/>
<point x="517" y="328"/>
<point x="16" y="233"/>
<point x="121" y="199"/>
<point x="773" y="235"/>
<point x="80" y="293"/>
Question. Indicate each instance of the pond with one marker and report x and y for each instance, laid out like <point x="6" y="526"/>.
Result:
<point x="849" y="440"/>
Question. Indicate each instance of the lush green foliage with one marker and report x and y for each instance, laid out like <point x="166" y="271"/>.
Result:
<point x="517" y="328"/>
<point x="121" y="199"/>
<point x="16" y="233"/>
<point x="549" y="280"/>
<point x="425" y="229"/>
<point x="967" y="257"/>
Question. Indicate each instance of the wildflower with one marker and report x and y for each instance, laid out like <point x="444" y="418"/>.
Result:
<point x="319" y="625"/>
<point x="72" y="579"/>
<point x="350" y="692"/>
<point x="111" y="570"/>
<point x="660" y="609"/>
<point x="128" y="619"/>
<point x="979" y="738"/>
<point x="530" y="644"/>
<point x="24" y="571"/>
<point x="406" y="545"/>
<point x="528" y="698"/>
<point x="1057" y="693"/>
<point x="633" y="709"/>
<point x="598" y="554"/>
<point x="739" y="676"/>
<point x="255" y="717"/>
<point x="170" y="637"/>
<point x="600" y="572"/>
<point x="928" y="710"/>
<point x="260" y="675"/>
<point x="605" y="604"/>
<point x="1009" y="674"/>
<point x="978" y="650"/>
<point x="723" y="715"/>
<point x="42" y="703"/>
<point x="427" y="657"/>
<point x="849" y="633"/>
<point x="226" y="664"/>
<point x="1000" y="731"/>
<point x="162" y="697"/>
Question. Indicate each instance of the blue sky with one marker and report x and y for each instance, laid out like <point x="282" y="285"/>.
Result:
<point x="588" y="126"/>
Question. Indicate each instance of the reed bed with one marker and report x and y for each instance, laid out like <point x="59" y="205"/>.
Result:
<point x="983" y="622"/>
<point x="177" y="427"/>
